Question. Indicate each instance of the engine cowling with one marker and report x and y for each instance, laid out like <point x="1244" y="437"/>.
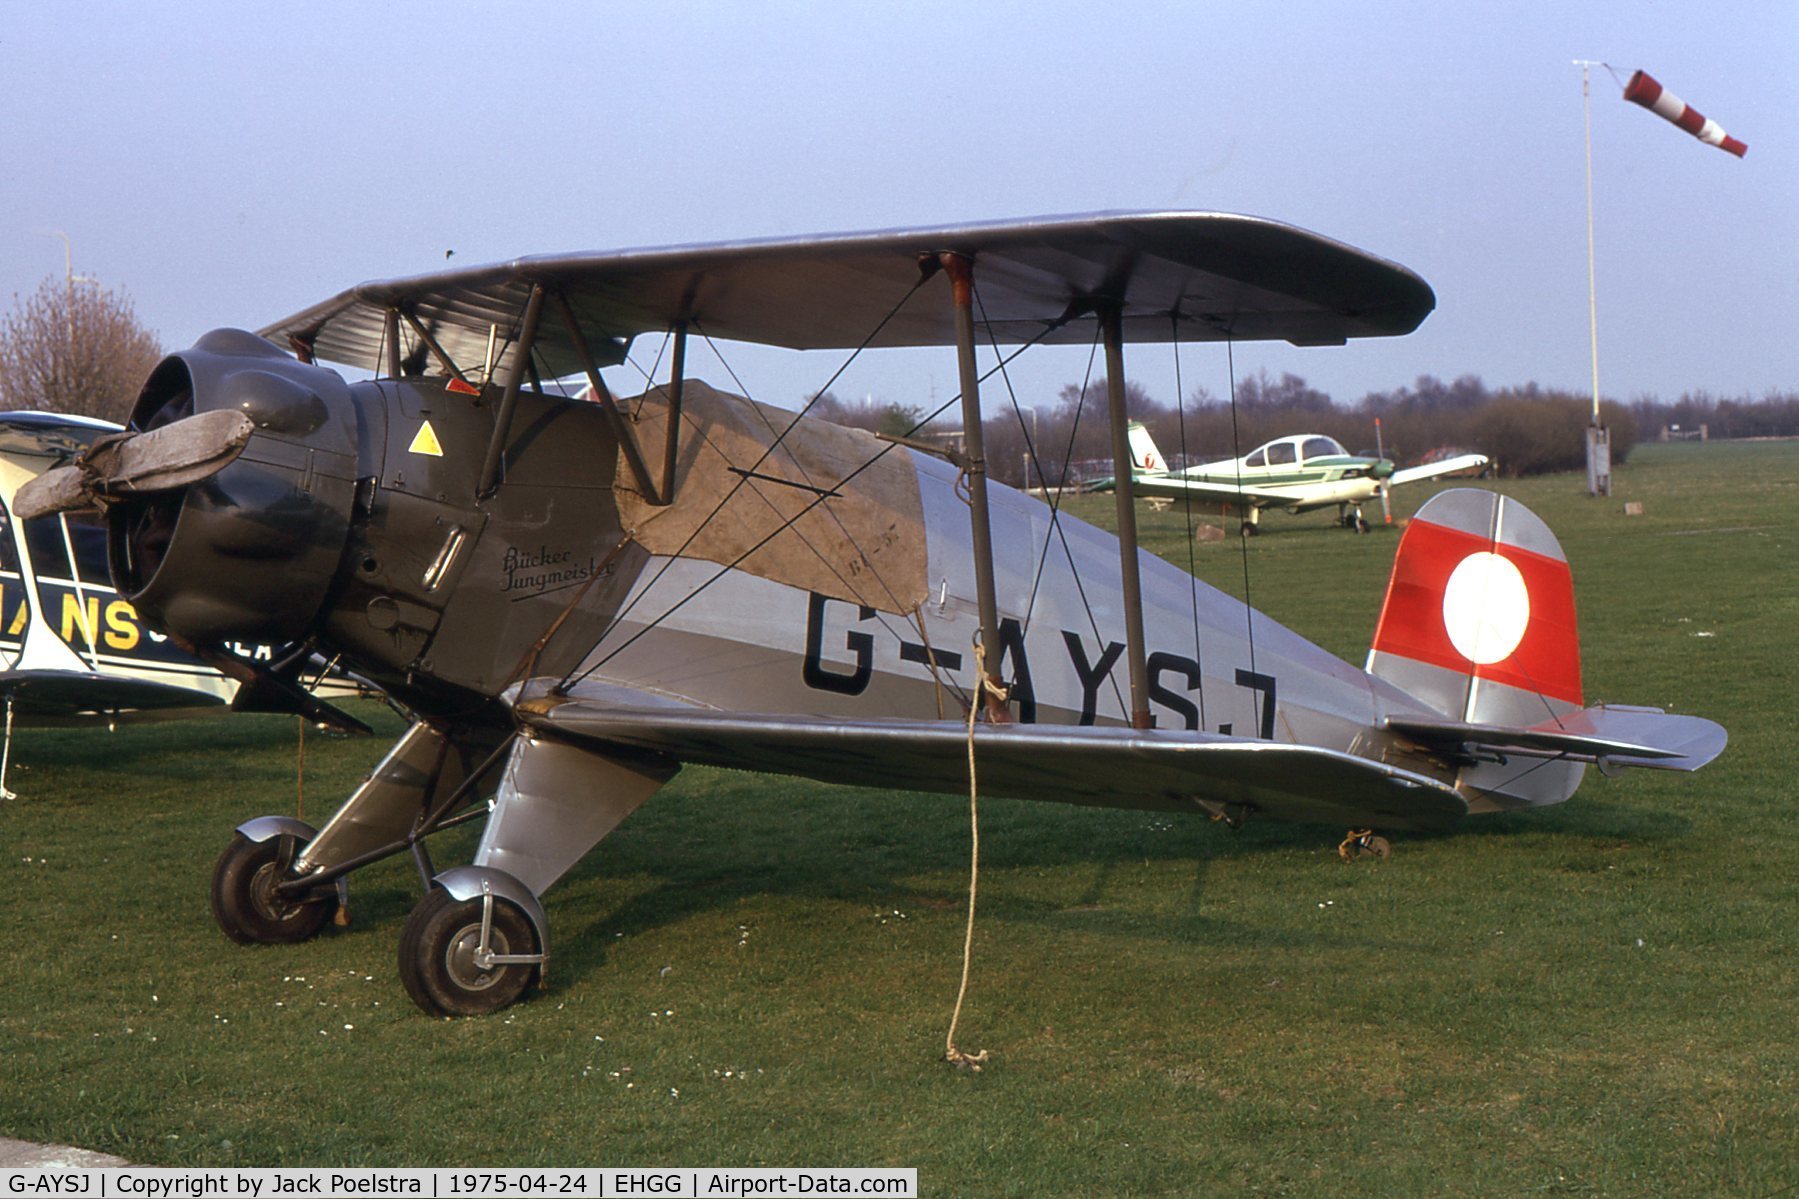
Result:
<point x="271" y="528"/>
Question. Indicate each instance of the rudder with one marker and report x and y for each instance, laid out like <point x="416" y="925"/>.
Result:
<point x="1145" y="457"/>
<point x="1478" y="623"/>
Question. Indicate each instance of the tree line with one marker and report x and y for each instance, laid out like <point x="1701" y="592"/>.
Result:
<point x="75" y="346"/>
<point x="1526" y="429"/>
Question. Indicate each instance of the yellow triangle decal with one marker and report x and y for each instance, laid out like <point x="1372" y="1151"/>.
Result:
<point x="425" y="442"/>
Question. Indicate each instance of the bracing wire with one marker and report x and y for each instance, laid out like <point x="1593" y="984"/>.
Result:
<point x="744" y="478"/>
<point x="1055" y="506"/>
<point x="1180" y="413"/>
<point x="571" y="678"/>
<point x="1249" y="612"/>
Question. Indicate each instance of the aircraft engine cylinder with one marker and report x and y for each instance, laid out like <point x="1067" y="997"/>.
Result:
<point x="251" y="552"/>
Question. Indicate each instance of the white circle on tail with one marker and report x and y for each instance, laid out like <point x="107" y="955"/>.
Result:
<point x="1486" y="608"/>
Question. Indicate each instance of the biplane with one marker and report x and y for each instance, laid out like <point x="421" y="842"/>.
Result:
<point x="579" y="594"/>
<point x="1301" y="472"/>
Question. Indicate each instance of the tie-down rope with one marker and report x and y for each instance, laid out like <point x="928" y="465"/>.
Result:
<point x="984" y="685"/>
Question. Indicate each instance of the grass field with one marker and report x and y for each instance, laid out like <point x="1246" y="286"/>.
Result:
<point x="1598" y="999"/>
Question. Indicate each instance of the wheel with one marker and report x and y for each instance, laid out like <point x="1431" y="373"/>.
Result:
<point x="245" y="903"/>
<point x="1360" y="525"/>
<point x="437" y="956"/>
<point x="1362" y="842"/>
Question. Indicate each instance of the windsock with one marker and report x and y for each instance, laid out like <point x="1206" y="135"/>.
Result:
<point x="1665" y="104"/>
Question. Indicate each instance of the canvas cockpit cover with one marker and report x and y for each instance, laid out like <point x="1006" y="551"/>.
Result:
<point x="782" y="511"/>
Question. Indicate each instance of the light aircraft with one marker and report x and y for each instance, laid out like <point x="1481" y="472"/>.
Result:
<point x="72" y="651"/>
<point x="577" y="596"/>
<point x="1299" y="473"/>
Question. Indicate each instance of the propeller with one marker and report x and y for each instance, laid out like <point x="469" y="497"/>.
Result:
<point x="1386" y="482"/>
<point x="120" y="465"/>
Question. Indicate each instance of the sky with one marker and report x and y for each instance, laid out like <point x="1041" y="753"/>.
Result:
<point x="232" y="163"/>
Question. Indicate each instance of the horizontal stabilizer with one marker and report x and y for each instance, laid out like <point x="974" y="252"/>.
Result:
<point x="1431" y="470"/>
<point x="1164" y="770"/>
<point x="1612" y="736"/>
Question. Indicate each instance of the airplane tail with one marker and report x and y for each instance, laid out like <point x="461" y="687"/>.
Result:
<point x="1478" y="625"/>
<point x="1145" y="457"/>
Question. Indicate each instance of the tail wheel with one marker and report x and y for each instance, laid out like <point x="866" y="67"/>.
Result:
<point x="1364" y="842"/>
<point x="440" y="958"/>
<point x="246" y="904"/>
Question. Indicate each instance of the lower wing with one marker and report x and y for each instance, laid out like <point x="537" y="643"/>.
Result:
<point x="1104" y="766"/>
<point x="1176" y="488"/>
<point x="50" y="695"/>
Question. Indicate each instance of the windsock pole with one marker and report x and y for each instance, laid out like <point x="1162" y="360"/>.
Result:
<point x="1599" y="440"/>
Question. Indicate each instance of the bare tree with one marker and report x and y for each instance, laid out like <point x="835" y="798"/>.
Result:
<point x="73" y="346"/>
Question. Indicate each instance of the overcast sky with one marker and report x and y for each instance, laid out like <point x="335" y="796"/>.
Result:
<point x="231" y="163"/>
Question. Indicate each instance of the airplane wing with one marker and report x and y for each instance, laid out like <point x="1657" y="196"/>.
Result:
<point x="1105" y="766"/>
<point x="1189" y="276"/>
<point x="1175" y="488"/>
<point x="1431" y="470"/>
<point x="50" y="695"/>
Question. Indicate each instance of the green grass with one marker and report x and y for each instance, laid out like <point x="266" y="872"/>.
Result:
<point x="1597" y="999"/>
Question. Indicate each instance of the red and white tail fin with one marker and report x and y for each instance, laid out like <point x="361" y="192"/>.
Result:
<point x="1478" y="626"/>
<point x="1145" y="457"/>
<point x="1479" y="616"/>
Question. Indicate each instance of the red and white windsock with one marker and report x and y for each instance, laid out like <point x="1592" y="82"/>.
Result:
<point x="1665" y="104"/>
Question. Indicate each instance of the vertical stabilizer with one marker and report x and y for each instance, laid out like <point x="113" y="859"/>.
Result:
<point x="1146" y="459"/>
<point x="1478" y="623"/>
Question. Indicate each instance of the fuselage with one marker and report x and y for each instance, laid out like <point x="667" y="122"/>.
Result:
<point x="550" y="550"/>
<point x="448" y="597"/>
<point x="1312" y="470"/>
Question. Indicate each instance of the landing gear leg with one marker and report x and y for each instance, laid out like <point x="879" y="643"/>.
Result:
<point x="1364" y="842"/>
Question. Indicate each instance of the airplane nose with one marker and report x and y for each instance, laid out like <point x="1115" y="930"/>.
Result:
<point x="1382" y="469"/>
<point x="249" y="552"/>
<point x="229" y="499"/>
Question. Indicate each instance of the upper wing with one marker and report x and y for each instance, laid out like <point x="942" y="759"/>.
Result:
<point x="1430" y="470"/>
<point x="1107" y="766"/>
<point x="1176" y="276"/>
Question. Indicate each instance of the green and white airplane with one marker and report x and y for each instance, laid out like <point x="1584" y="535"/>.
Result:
<point x="1300" y="473"/>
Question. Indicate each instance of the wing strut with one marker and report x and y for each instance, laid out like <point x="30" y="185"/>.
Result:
<point x="671" y="446"/>
<point x="1111" y="328"/>
<point x="437" y="351"/>
<point x="602" y="395"/>
<point x="960" y="270"/>
<point x="502" y="421"/>
<point x="390" y="326"/>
